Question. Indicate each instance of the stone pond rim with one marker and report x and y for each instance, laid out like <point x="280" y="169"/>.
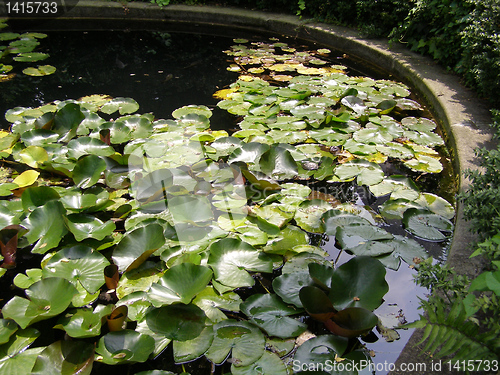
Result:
<point x="463" y="117"/>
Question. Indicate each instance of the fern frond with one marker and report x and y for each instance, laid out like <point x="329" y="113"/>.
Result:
<point x="451" y="334"/>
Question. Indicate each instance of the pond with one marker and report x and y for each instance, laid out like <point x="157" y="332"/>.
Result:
<point x="227" y="201"/>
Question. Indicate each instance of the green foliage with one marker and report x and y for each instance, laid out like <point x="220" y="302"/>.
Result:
<point x="449" y="333"/>
<point x="482" y="199"/>
<point x="480" y="43"/>
<point x="169" y="219"/>
<point x="433" y="27"/>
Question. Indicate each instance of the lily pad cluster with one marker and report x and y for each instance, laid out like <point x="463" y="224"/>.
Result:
<point x="162" y="232"/>
<point x="21" y="48"/>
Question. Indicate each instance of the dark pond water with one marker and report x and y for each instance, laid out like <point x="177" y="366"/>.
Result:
<point x="163" y="71"/>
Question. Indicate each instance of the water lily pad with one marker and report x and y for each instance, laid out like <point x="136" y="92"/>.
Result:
<point x="366" y="173"/>
<point x="399" y="187"/>
<point x="125" y="346"/>
<point x="359" y="283"/>
<point x="213" y="303"/>
<point x="27" y="178"/>
<point x="336" y="218"/>
<point x="423" y="163"/>
<point x="269" y="363"/>
<point x="288" y="286"/>
<point x="85" y="322"/>
<point x="278" y="163"/>
<point x="180" y="283"/>
<point x="78" y="264"/>
<point x="177" y="322"/>
<point x="34" y="156"/>
<point x="268" y="312"/>
<point x="136" y="246"/>
<point x="436" y="204"/>
<point x="31" y="56"/>
<point x="46" y="298"/>
<point x="88" y="146"/>
<point x="320" y="351"/>
<point x="190" y="209"/>
<point x="46" y="226"/>
<point x="427" y="225"/>
<point x="189" y="350"/>
<point x="122" y="105"/>
<point x="231" y="259"/>
<point x="242" y="340"/>
<point x="65" y="358"/>
<point x="17" y="357"/>
<point x="309" y="213"/>
<point x="88" y="170"/>
<point x="40" y="71"/>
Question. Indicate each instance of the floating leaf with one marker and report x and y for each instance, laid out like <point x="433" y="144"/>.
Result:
<point x="359" y="283"/>
<point x="125" y="346"/>
<point x="40" y="71"/>
<point x="278" y="163"/>
<point x="242" y="340"/>
<point x="46" y="226"/>
<point x="366" y="173"/>
<point x="231" y="259"/>
<point x="136" y="246"/>
<point x="122" y="105"/>
<point x="27" y="178"/>
<point x="180" y="283"/>
<point x="65" y="357"/>
<point x="16" y="357"/>
<point x="427" y="225"/>
<point x="269" y="363"/>
<point x="268" y="312"/>
<point x="46" y="298"/>
<point x="78" y="264"/>
<point x="177" y="322"/>
<point x="31" y="56"/>
<point x="88" y="171"/>
<point x="288" y="286"/>
<point x="85" y="322"/>
<point x="88" y="226"/>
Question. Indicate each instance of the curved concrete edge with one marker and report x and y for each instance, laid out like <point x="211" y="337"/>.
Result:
<point x="464" y="118"/>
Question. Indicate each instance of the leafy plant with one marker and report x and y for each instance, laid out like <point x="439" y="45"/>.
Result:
<point x="155" y="232"/>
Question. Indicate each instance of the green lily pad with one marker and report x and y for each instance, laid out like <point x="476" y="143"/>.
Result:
<point x="85" y="322"/>
<point x="231" y="259"/>
<point x="278" y="163"/>
<point x="189" y="350"/>
<point x="269" y="363"/>
<point x="46" y="298"/>
<point x="40" y="71"/>
<point x="34" y="156"/>
<point x="191" y="209"/>
<point x="288" y="286"/>
<point x="7" y="329"/>
<point x="122" y="105"/>
<point x="213" y="303"/>
<point x="88" y="146"/>
<point x="46" y="226"/>
<point x="359" y="283"/>
<point x="268" y="312"/>
<point x="177" y="322"/>
<point x="334" y="219"/>
<point x="424" y="163"/>
<point x="65" y="357"/>
<point x="78" y="264"/>
<point x="16" y="356"/>
<point x="180" y="283"/>
<point x="87" y="226"/>
<point x="367" y="173"/>
<point x="125" y="346"/>
<point x="352" y="322"/>
<point x="30" y="56"/>
<point x="136" y="246"/>
<point x="88" y="171"/>
<point x="320" y="350"/>
<point x="309" y="214"/>
<point x="351" y="236"/>
<point x="242" y="340"/>
<point x="427" y="225"/>
<point x="436" y="204"/>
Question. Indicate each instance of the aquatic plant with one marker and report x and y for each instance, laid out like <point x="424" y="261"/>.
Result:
<point x="155" y="232"/>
